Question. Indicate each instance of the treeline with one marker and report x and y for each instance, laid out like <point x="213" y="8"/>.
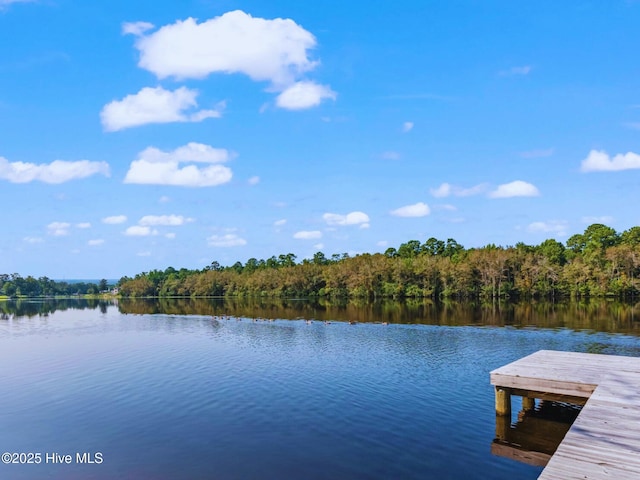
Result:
<point x="13" y="285"/>
<point x="598" y="262"/>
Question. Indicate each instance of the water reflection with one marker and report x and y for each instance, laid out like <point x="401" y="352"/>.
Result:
<point x="590" y="315"/>
<point x="536" y="434"/>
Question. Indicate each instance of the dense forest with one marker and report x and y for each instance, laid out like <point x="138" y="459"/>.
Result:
<point x="598" y="262"/>
<point x="13" y="285"/>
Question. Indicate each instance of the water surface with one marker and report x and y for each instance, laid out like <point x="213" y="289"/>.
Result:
<point x="187" y="396"/>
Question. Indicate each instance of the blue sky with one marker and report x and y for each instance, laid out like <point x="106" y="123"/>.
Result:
<point x="142" y="135"/>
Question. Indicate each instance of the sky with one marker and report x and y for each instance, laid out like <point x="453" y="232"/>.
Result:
<point x="142" y="135"/>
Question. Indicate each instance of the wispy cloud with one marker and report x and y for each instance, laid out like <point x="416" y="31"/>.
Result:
<point x="407" y="126"/>
<point x="558" y="227"/>
<point x="390" y="155"/>
<point x="226" y="240"/>
<point x="58" y="171"/>
<point x="164" y="220"/>
<point x="114" y="219"/>
<point x="517" y="188"/>
<point x="58" y="229"/>
<point x="419" y="209"/>
<point x="308" y="235"/>
<point x="446" y="189"/>
<point x="541" y="153"/>
<point x="521" y="70"/>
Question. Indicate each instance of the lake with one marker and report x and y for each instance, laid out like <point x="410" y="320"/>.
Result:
<point x="231" y="389"/>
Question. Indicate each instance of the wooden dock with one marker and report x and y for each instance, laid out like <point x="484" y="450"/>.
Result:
<point x="604" y="441"/>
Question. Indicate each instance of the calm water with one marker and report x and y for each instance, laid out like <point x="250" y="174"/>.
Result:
<point x="187" y="396"/>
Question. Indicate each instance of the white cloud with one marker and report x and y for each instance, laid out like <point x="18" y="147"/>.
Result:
<point x="115" y="219"/>
<point x="446" y="189"/>
<point x="606" y="219"/>
<point x="164" y="199"/>
<point x="58" y="171"/>
<point x="170" y="236"/>
<point x="58" y="229"/>
<point x="154" y="105"/>
<point x="144" y="254"/>
<point x="522" y="70"/>
<point x="353" y="218"/>
<point x="517" y="188"/>
<point x="364" y="226"/>
<point x="254" y="180"/>
<point x="407" y="127"/>
<point x="140" y="231"/>
<point x="446" y="207"/>
<point x="227" y="240"/>
<point x="303" y="95"/>
<point x="419" y="209"/>
<point x="308" y="235"/>
<point x="164" y="220"/>
<point x="558" y="227"/>
<point x="390" y="155"/>
<point x="83" y="225"/>
<point x="156" y="167"/>
<point x="136" y="28"/>
<point x="541" y="153"/>
<point x="319" y="246"/>
<point x="382" y="243"/>
<point x="33" y="240"/>
<point x="95" y="243"/>
<point x="265" y="50"/>
<point x="279" y="223"/>
<point x="599" y="161"/>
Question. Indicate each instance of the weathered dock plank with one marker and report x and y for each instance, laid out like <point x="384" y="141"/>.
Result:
<point x="604" y="441"/>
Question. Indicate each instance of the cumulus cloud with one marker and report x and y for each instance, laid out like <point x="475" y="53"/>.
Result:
<point x="407" y="127"/>
<point x="419" y="209"/>
<point x="83" y="225"/>
<point x="58" y="229"/>
<point x="155" y="105"/>
<point x="226" y="240"/>
<point x="600" y="161"/>
<point x="170" y="235"/>
<point x="517" y="188"/>
<point x="446" y="189"/>
<point x="115" y="219"/>
<point x="164" y="220"/>
<point x="96" y="242"/>
<point x="274" y="51"/>
<point x="58" y="171"/>
<point x="308" y="235"/>
<point x="558" y="227"/>
<point x="140" y="231"/>
<point x="265" y="50"/>
<point x="156" y="167"/>
<point x="303" y="95"/>
<point x="353" y="218"/>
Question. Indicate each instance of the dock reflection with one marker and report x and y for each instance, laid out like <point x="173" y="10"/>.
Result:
<point x="534" y="437"/>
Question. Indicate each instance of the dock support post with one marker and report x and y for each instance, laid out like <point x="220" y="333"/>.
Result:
<point x="528" y="404"/>
<point x="503" y="401"/>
